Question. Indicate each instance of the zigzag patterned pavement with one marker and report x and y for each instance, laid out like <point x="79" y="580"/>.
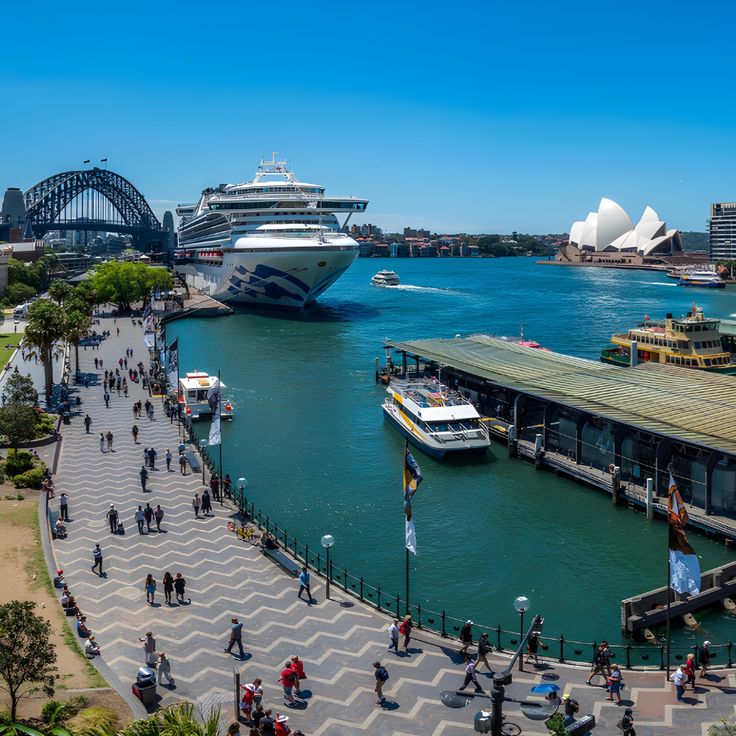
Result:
<point x="337" y="639"/>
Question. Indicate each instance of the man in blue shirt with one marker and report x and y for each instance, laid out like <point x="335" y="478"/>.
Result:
<point x="236" y="636"/>
<point x="304" y="585"/>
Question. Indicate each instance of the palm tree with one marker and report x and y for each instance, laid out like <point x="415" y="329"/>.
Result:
<point x="76" y="326"/>
<point x="44" y="330"/>
<point x="59" y="291"/>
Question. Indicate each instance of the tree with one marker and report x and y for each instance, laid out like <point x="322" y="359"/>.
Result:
<point x="59" y="291"/>
<point x="18" y="293"/>
<point x="19" y="389"/>
<point x="27" y="655"/>
<point x="44" y="330"/>
<point x="18" y="424"/>
<point x="76" y="327"/>
<point x="123" y="283"/>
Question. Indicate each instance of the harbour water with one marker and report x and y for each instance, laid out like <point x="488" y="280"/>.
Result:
<point x="310" y="438"/>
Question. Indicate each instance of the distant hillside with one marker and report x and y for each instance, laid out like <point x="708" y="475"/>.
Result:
<point x="694" y="241"/>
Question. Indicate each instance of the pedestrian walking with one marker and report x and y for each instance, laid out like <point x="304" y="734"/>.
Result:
<point x="206" y="503"/>
<point x="281" y="728"/>
<point x="532" y="647"/>
<point x="615" y="683"/>
<point x="107" y="400"/>
<point x="168" y="583"/>
<point x="102" y="442"/>
<point x="182" y="463"/>
<point x="215" y="486"/>
<point x="393" y="636"/>
<point x="236" y="636"/>
<point x="168" y="457"/>
<point x="298" y="666"/>
<point x="134" y="430"/>
<point x="180" y="585"/>
<point x="125" y="388"/>
<point x="626" y="724"/>
<point x="470" y="676"/>
<point x="571" y="708"/>
<point x="112" y="517"/>
<point x="96" y="362"/>
<point x="196" y="502"/>
<point x="144" y="477"/>
<point x="601" y="661"/>
<point x="678" y="677"/>
<point x="150" y="412"/>
<point x="227" y="486"/>
<point x="246" y="700"/>
<point x="152" y="455"/>
<point x="150" y="587"/>
<point x="466" y="638"/>
<point x="704" y="656"/>
<point x="148" y="513"/>
<point x="149" y="648"/>
<point x="381" y="675"/>
<point x="304" y="585"/>
<point x="140" y="519"/>
<point x="87" y="423"/>
<point x="484" y="649"/>
<point x="109" y="438"/>
<point x="289" y="679"/>
<point x="97" y="558"/>
<point x="164" y="669"/>
<point x="690" y="670"/>
<point x="405" y="629"/>
<point x="64" y="507"/>
<point x="158" y="515"/>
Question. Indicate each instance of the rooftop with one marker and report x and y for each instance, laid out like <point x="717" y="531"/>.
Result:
<point x="694" y="406"/>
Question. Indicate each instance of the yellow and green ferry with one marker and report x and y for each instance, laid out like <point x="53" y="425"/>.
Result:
<point x="692" y="341"/>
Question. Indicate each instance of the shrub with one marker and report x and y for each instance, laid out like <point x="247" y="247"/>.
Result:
<point x="54" y="712"/>
<point x="29" y="479"/>
<point x="724" y="728"/>
<point x="95" y="719"/>
<point x="17" y="462"/>
<point x="44" y="425"/>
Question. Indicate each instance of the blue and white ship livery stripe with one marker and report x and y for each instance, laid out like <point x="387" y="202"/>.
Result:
<point x="273" y="242"/>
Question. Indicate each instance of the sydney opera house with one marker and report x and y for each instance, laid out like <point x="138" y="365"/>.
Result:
<point x="610" y="235"/>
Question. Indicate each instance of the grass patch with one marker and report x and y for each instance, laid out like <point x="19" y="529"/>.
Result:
<point x="10" y="338"/>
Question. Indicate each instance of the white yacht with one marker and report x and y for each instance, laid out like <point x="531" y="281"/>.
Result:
<point x="385" y="278"/>
<point x="434" y="418"/>
<point x="273" y="241"/>
<point x="193" y="390"/>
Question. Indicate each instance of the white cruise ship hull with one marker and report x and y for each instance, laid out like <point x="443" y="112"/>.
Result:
<point x="286" y="272"/>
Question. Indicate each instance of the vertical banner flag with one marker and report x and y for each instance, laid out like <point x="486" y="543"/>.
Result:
<point x="684" y="565"/>
<point x="173" y="372"/>
<point x="213" y="399"/>
<point x="412" y="478"/>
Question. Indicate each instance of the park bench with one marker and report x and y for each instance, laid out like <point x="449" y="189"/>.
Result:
<point x="193" y="461"/>
<point x="283" y="560"/>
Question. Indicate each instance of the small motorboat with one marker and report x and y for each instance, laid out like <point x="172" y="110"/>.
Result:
<point x="385" y="278"/>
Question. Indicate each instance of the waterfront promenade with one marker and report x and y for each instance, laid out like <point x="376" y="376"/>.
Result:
<point x="337" y="639"/>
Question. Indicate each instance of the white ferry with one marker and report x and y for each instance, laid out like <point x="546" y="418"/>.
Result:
<point x="385" y="278"/>
<point x="273" y="241"/>
<point x="435" y="419"/>
<point x="705" y="279"/>
<point x="193" y="390"/>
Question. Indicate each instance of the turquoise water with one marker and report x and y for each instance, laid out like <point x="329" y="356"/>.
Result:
<point x="310" y="438"/>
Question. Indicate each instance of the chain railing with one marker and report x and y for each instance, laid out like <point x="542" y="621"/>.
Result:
<point x="560" y="649"/>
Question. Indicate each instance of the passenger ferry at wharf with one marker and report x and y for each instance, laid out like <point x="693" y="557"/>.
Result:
<point x="434" y="418"/>
<point x="692" y="341"/>
<point x="273" y="242"/>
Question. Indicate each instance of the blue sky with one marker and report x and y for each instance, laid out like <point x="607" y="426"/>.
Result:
<point x="474" y="117"/>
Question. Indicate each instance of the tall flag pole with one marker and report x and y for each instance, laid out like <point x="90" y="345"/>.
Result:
<point x="412" y="478"/>
<point x="219" y="421"/>
<point x="683" y="568"/>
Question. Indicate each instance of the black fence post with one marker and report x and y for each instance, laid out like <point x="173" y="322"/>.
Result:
<point x="562" y="649"/>
<point x="628" y="655"/>
<point x="345" y="577"/>
<point x="661" y="657"/>
<point x="444" y="633"/>
<point x="730" y="664"/>
<point x="398" y="607"/>
<point x="361" y="588"/>
<point x="419" y="615"/>
<point x="306" y="556"/>
<point x="319" y="563"/>
<point x="378" y="602"/>
<point x="498" y="638"/>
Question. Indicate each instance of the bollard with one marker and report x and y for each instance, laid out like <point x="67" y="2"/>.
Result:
<point x="512" y="440"/>
<point x="236" y="705"/>
<point x="650" y="499"/>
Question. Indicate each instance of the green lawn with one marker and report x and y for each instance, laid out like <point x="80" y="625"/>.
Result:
<point x="8" y="338"/>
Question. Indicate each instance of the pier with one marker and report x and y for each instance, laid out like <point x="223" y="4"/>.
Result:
<point x="192" y="303"/>
<point x="611" y="428"/>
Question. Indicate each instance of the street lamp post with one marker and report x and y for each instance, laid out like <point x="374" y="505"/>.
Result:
<point x="327" y="541"/>
<point x="521" y="604"/>
<point x="202" y="445"/>
<point x="242" y="483"/>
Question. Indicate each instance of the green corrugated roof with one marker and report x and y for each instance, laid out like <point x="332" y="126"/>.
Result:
<point x="695" y="406"/>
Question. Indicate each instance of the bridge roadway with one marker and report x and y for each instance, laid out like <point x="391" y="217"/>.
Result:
<point x="337" y="639"/>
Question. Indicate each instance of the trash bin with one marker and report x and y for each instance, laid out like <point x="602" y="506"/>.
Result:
<point x="144" y="687"/>
<point x="482" y="722"/>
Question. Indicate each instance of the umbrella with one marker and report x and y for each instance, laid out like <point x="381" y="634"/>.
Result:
<point x="545" y="688"/>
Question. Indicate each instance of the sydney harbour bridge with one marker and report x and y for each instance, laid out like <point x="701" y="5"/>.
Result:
<point x="95" y="200"/>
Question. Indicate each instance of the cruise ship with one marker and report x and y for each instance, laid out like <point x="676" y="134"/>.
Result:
<point x="273" y="242"/>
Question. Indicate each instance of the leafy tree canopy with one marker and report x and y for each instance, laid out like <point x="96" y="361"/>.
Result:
<point x="18" y="293"/>
<point x="19" y="389"/>
<point x="17" y="423"/>
<point x="123" y="283"/>
<point x="27" y="655"/>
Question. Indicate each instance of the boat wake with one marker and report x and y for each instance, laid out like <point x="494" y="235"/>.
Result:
<point x="659" y="283"/>
<point x="429" y="289"/>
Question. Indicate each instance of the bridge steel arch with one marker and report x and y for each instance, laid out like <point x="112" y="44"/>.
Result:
<point x="47" y="201"/>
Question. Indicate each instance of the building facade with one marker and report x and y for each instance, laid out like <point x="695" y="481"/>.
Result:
<point x="722" y="231"/>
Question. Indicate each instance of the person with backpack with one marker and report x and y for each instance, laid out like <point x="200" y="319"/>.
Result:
<point x="466" y="638"/>
<point x="601" y="662"/>
<point x="289" y="678"/>
<point x="381" y="674"/>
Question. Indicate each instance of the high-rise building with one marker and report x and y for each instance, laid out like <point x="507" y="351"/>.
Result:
<point x="722" y="231"/>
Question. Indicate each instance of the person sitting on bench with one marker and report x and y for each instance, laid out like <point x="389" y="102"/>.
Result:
<point x="268" y="542"/>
